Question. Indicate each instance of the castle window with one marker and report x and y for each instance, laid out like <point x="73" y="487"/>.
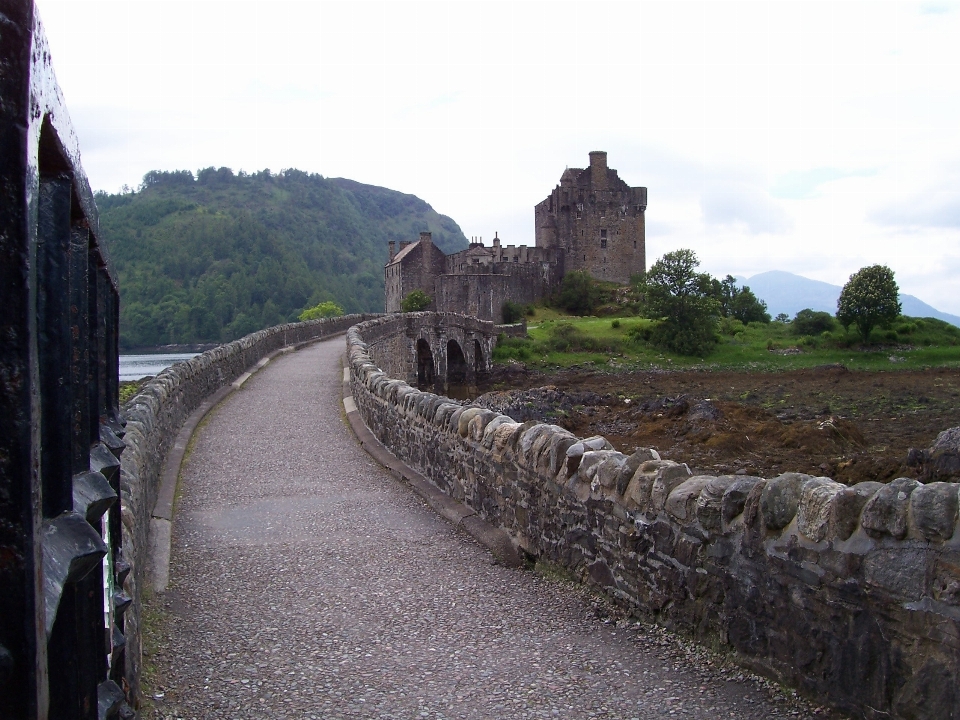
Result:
<point x="634" y="244"/>
<point x="603" y="243"/>
<point x="516" y="258"/>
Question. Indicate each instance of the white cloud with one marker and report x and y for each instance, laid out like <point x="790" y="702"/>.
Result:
<point x="812" y="137"/>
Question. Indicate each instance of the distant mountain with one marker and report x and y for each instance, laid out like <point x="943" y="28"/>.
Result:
<point x="213" y="257"/>
<point x="787" y="293"/>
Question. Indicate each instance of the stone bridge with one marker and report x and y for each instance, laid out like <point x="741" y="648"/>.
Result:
<point x="444" y="352"/>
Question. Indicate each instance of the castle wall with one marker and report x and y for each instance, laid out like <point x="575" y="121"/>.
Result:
<point x="416" y="268"/>
<point x="482" y="290"/>
<point x="851" y="594"/>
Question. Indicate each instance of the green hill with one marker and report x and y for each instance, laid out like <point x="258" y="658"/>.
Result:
<point x="212" y="258"/>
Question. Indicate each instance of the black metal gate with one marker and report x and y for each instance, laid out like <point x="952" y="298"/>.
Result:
<point x="61" y="562"/>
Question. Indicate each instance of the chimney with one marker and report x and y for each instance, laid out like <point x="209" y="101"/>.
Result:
<point x="393" y="249"/>
<point x="496" y="240"/>
<point x="598" y="169"/>
<point x="426" y="257"/>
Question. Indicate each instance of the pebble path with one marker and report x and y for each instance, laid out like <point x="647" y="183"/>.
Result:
<point x="307" y="583"/>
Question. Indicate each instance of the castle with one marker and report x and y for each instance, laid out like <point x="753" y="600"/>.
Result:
<point x="592" y="221"/>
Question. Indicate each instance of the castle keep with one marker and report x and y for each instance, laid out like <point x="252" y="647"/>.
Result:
<point x="592" y="221"/>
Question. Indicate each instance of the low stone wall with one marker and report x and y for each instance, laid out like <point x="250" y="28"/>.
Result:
<point x="154" y="417"/>
<point x="850" y="594"/>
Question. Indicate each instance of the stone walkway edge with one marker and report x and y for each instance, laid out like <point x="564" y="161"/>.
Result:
<point x="161" y="519"/>
<point x="493" y="538"/>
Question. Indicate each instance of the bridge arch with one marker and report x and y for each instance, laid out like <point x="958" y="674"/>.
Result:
<point x="457" y="368"/>
<point x="426" y="369"/>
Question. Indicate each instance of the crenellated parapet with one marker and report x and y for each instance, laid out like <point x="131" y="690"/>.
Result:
<point x="851" y="594"/>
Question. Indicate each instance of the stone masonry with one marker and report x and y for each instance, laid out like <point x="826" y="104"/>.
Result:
<point x="851" y="594"/>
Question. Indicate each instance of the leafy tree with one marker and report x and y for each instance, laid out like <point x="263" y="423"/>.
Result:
<point x="213" y="256"/>
<point x="681" y="298"/>
<point x="871" y="298"/>
<point x="578" y="293"/>
<point x="416" y="301"/>
<point x="325" y="309"/>
<point x="747" y="307"/>
<point x="736" y="302"/>
<point x="782" y="318"/>
<point x="812" y="322"/>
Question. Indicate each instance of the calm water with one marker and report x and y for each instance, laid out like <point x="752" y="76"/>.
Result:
<point x="134" y="367"/>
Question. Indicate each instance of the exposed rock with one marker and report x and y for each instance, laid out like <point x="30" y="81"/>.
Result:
<point x="942" y="460"/>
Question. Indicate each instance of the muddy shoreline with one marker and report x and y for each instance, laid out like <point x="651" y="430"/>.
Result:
<point x="852" y="426"/>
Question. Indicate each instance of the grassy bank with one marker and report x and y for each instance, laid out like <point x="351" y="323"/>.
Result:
<point x="556" y="340"/>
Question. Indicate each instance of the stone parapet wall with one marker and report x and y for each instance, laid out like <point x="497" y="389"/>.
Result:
<point x="851" y="594"/>
<point x="154" y="417"/>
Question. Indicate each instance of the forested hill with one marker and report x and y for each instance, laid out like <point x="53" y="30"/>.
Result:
<point x="213" y="257"/>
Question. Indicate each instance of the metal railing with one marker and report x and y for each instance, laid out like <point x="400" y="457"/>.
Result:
<point x="61" y="562"/>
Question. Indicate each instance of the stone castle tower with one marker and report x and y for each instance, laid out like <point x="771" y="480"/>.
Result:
<point x="591" y="221"/>
<point x="596" y="221"/>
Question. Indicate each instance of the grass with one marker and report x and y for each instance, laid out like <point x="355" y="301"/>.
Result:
<point x="557" y="340"/>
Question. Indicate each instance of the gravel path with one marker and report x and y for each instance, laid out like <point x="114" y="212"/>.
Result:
<point x="307" y="583"/>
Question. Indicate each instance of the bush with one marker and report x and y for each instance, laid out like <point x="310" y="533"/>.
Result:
<point x="323" y="310"/>
<point x="578" y="293"/>
<point x="416" y="301"/>
<point x="513" y="349"/>
<point x="812" y="322"/>
<point x="565" y="337"/>
<point x="512" y="312"/>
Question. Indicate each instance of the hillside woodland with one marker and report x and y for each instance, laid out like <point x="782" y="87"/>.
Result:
<point x="212" y="257"/>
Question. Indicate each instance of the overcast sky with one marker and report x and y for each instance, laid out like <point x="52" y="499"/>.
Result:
<point x="813" y="137"/>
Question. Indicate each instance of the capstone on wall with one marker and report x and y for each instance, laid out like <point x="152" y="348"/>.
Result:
<point x="851" y="594"/>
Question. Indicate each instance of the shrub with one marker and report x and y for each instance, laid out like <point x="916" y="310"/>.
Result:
<point x="323" y="310"/>
<point x="416" y="301"/>
<point x="512" y="312"/>
<point x="812" y="322"/>
<point x="578" y="293"/>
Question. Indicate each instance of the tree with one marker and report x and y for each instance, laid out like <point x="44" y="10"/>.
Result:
<point x="812" y="322"/>
<point x="323" y="310"/>
<point x="681" y="298"/>
<point x="578" y="292"/>
<point x="747" y="307"/>
<point x="736" y="302"/>
<point x="870" y="299"/>
<point x="416" y="301"/>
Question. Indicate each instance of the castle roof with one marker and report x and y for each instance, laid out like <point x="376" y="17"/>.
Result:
<point x="404" y="252"/>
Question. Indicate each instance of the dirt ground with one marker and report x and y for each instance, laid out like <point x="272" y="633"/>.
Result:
<point x="850" y="426"/>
